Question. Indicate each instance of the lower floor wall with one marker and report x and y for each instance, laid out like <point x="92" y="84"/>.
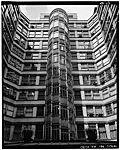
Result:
<point x="104" y="131"/>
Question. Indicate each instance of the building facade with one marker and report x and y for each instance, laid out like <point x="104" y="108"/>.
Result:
<point x="59" y="74"/>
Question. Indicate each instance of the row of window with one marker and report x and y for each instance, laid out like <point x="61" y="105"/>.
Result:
<point x="55" y="131"/>
<point x="60" y="14"/>
<point x="31" y="79"/>
<point x="33" y="67"/>
<point x="81" y="131"/>
<point x="17" y="135"/>
<point x="78" y="25"/>
<point x="81" y="44"/>
<point x="79" y="33"/>
<point x="88" y="94"/>
<point x="91" y="111"/>
<point x="96" y="111"/>
<point x="82" y="55"/>
<point x="38" y="34"/>
<point x="100" y="128"/>
<point x="59" y="23"/>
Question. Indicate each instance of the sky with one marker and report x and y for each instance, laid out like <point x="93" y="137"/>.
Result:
<point x="84" y="12"/>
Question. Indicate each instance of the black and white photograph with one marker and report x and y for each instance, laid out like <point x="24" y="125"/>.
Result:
<point x="59" y="74"/>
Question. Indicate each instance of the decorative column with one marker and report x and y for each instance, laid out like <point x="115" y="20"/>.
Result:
<point x="59" y="104"/>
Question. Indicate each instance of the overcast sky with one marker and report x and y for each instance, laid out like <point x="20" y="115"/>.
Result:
<point x="84" y="12"/>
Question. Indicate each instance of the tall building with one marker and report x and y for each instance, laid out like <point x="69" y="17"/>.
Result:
<point x="59" y="74"/>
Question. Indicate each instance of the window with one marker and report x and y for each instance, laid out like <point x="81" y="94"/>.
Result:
<point x="38" y="34"/>
<point x="55" y="132"/>
<point x="9" y="92"/>
<point x="100" y="51"/>
<point x="98" y="111"/>
<point x="55" y="58"/>
<point x="20" y="111"/>
<point x="106" y="93"/>
<point x="56" y="34"/>
<point x="48" y="131"/>
<point x="109" y="109"/>
<point x="63" y="92"/>
<point x="71" y="115"/>
<point x="77" y="94"/>
<point x="96" y="94"/>
<point x="17" y="51"/>
<point x="22" y="95"/>
<point x="70" y="95"/>
<point x="30" y="95"/>
<point x="69" y="79"/>
<point x="43" y="67"/>
<point x="41" y="95"/>
<point x="42" y="80"/>
<point x="102" y="131"/>
<point x="55" y="89"/>
<point x="40" y="111"/>
<point x="30" y="67"/>
<point x="39" y="25"/>
<point x="55" y="108"/>
<point x="48" y="107"/>
<point x="39" y="131"/>
<point x="115" y="107"/>
<point x="105" y="76"/>
<point x="31" y="34"/>
<point x="92" y="126"/>
<point x="74" y="55"/>
<point x="45" y="33"/>
<point x="105" y="61"/>
<point x="10" y="110"/>
<point x="90" y="112"/>
<point x="44" y="44"/>
<point x="49" y="73"/>
<point x="72" y="33"/>
<point x="20" y="41"/>
<point x="102" y="78"/>
<point x="56" y="23"/>
<point x="12" y="76"/>
<point x="113" y="130"/>
<point x="6" y="131"/>
<point x="43" y="55"/>
<point x="28" y="56"/>
<point x="76" y="79"/>
<point x="36" y="45"/>
<point x="64" y="114"/>
<point x="79" y="111"/>
<point x="64" y="134"/>
<point x="16" y="63"/>
<point x="46" y="25"/>
<point x="62" y="59"/>
<point x="35" y="56"/>
<point x="108" y="75"/>
<point x="63" y="74"/>
<point x="28" y="80"/>
<point x="48" y="89"/>
<point x="29" y="111"/>
<point x="89" y="80"/>
<point x="17" y="132"/>
<point x="89" y="66"/>
<point x="80" y="131"/>
<point x="73" y="44"/>
<point x="62" y="36"/>
<point x="84" y="44"/>
<point x="75" y="66"/>
<point x="55" y="46"/>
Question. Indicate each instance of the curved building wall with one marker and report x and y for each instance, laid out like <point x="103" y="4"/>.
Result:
<point x="60" y="113"/>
